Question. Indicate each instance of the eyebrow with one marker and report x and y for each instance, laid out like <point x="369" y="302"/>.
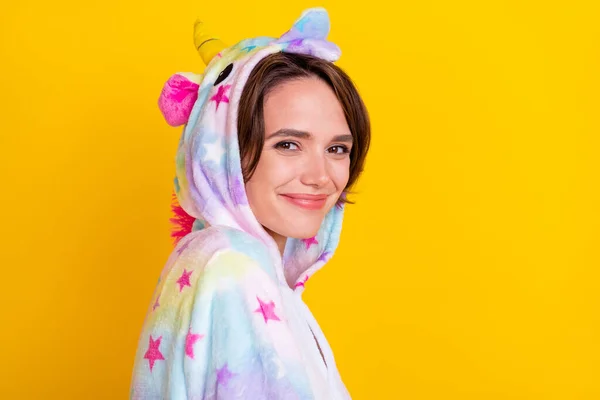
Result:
<point x="287" y="132"/>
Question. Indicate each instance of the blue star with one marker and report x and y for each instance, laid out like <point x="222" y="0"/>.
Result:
<point x="177" y="188"/>
<point x="300" y="24"/>
<point x="248" y="49"/>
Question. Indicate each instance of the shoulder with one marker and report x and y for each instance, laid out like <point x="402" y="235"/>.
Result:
<point x="224" y="246"/>
<point x="204" y="264"/>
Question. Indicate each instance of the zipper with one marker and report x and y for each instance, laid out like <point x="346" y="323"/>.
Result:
<point x="318" y="346"/>
<point x="316" y="334"/>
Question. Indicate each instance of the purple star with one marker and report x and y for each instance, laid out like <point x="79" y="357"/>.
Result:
<point x="295" y="43"/>
<point x="183" y="247"/>
<point x="238" y="192"/>
<point x="224" y="375"/>
<point x="340" y="203"/>
<point x="300" y="46"/>
<point x="324" y="257"/>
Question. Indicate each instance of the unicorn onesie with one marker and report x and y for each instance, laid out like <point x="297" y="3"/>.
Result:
<point x="223" y="322"/>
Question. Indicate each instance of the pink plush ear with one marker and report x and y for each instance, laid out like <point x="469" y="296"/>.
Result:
<point x="178" y="97"/>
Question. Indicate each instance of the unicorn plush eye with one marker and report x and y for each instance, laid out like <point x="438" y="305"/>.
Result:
<point x="224" y="74"/>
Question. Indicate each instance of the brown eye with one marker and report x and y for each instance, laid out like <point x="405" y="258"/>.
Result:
<point x="339" y="149"/>
<point x="286" y="146"/>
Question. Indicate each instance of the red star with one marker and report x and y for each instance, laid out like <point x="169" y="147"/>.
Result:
<point x="308" y="242"/>
<point x="156" y="304"/>
<point x="220" y="97"/>
<point x="184" y="279"/>
<point x="267" y="310"/>
<point x="153" y="353"/>
<point x="190" y="340"/>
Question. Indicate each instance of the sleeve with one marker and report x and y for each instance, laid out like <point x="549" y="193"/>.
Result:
<point x="216" y="330"/>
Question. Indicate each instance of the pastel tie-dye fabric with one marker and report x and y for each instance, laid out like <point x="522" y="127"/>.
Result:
<point x="223" y="322"/>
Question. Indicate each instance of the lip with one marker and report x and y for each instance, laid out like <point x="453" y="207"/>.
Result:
<point x="307" y="201"/>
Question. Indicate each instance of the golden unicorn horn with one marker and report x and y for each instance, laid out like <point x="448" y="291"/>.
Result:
<point x="207" y="44"/>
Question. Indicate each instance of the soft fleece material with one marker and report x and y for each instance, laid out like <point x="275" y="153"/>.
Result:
<point x="223" y="323"/>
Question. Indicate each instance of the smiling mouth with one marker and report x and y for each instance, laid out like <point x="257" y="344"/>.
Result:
<point x="306" y="201"/>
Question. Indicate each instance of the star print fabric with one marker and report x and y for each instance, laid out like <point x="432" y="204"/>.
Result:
<point x="219" y="332"/>
<point x="223" y="322"/>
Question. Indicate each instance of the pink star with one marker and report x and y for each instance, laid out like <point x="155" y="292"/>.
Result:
<point x="156" y="303"/>
<point x="267" y="310"/>
<point x="220" y="97"/>
<point x="302" y="282"/>
<point x="153" y="353"/>
<point x="184" y="279"/>
<point x="190" y="340"/>
<point x="223" y="375"/>
<point x="308" y="242"/>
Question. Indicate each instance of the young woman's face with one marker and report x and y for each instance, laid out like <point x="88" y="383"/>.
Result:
<point x="305" y="162"/>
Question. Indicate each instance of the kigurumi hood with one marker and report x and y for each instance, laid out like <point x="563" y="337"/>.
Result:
<point x="209" y="184"/>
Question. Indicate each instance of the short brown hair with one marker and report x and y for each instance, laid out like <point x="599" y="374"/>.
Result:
<point x="279" y="67"/>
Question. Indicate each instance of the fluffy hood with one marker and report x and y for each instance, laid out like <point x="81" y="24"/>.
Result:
<point x="209" y="184"/>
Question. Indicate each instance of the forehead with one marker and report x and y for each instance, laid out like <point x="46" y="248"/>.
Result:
<point x="306" y="104"/>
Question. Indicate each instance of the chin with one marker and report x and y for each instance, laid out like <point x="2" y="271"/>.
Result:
<point x="305" y="230"/>
<point x="294" y="222"/>
<point x="304" y="233"/>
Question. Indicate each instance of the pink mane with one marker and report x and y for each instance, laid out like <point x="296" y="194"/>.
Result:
<point x="182" y="221"/>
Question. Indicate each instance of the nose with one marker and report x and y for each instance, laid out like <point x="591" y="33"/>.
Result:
<point x="314" y="171"/>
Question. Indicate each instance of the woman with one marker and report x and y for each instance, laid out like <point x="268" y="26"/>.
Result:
<point x="275" y="135"/>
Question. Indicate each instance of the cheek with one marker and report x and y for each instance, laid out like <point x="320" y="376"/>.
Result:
<point x="340" y="174"/>
<point x="271" y="172"/>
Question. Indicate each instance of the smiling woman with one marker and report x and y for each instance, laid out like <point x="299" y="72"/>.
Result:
<point x="274" y="137"/>
<point x="304" y="133"/>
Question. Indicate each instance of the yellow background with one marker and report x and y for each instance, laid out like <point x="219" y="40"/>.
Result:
<point x="468" y="269"/>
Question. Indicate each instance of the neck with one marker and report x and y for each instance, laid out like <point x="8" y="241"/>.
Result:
<point x="279" y="240"/>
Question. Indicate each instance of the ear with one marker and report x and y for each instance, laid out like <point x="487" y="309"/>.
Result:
<point x="178" y="96"/>
<point x="308" y="35"/>
<point x="313" y="23"/>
